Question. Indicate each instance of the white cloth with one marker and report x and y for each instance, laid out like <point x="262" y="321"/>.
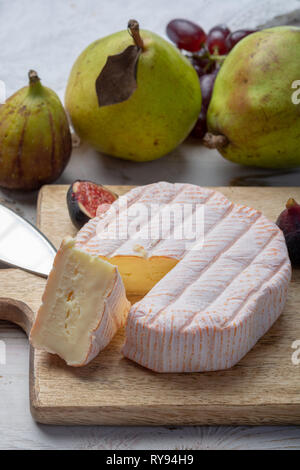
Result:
<point x="48" y="35"/>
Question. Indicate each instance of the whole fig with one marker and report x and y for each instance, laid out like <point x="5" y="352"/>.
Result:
<point x="289" y="222"/>
<point x="252" y="106"/>
<point x="35" y="139"/>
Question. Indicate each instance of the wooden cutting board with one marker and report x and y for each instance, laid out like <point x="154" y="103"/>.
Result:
<point x="264" y="388"/>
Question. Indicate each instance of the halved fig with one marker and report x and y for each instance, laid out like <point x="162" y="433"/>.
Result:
<point x="84" y="198"/>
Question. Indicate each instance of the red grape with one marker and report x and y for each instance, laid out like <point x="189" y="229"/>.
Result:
<point x="221" y="27"/>
<point x="236" y="36"/>
<point x="186" y="35"/>
<point x="216" y="43"/>
<point x="200" y="127"/>
<point x="207" y="84"/>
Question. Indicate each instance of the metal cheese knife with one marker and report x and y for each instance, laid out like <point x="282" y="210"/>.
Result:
<point x="22" y="245"/>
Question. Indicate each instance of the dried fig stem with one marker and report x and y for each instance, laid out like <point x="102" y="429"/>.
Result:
<point x="134" y="31"/>
<point x="215" y="141"/>
<point x="33" y="77"/>
<point x="290" y="203"/>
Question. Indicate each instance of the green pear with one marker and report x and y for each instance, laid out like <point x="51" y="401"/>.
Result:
<point x="159" y="114"/>
<point x="252" y="116"/>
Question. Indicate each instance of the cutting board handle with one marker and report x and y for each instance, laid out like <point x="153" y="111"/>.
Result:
<point x="17" y="312"/>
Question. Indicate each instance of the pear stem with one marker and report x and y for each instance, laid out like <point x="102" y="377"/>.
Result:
<point x="134" y="31"/>
<point x="33" y="77"/>
<point x="215" y="141"/>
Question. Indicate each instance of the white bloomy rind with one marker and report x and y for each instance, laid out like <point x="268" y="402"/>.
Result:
<point x="83" y="306"/>
<point x="144" y="260"/>
<point x="215" y="304"/>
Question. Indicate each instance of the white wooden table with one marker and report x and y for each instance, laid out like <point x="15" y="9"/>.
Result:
<point x="48" y="35"/>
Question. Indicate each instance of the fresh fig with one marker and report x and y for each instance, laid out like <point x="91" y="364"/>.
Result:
<point x="35" y="138"/>
<point x="84" y="198"/>
<point x="289" y="222"/>
<point x="133" y="95"/>
<point x="251" y="108"/>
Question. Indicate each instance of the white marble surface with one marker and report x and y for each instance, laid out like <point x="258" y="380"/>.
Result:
<point x="48" y="35"/>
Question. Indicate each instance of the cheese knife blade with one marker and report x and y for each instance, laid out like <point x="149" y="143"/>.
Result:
<point x="22" y="245"/>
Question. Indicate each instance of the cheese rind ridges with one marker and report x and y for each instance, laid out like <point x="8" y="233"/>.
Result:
<point x="142" y="269"/>
<point x="215" y="304"/>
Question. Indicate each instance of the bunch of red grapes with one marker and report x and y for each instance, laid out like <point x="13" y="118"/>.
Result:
<point x="207" y="52"/>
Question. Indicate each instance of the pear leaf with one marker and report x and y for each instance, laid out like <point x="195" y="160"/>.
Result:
<point x="117" y="80"/>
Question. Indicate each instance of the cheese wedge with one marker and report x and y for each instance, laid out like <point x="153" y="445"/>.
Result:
<point x="84" y="304"/>
<point x="215" y="304"/>
<point x="126" y="235"/>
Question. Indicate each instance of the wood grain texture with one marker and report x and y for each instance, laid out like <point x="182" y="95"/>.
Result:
<point x="262" y="389"/>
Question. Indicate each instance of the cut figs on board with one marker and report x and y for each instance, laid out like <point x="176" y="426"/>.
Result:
<point x="84" y="198"/>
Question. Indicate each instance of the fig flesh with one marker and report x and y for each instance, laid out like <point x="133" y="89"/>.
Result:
<point x="35" y="139"/>
<point x="289" y="222"/>
<point x="84" y="198"/>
